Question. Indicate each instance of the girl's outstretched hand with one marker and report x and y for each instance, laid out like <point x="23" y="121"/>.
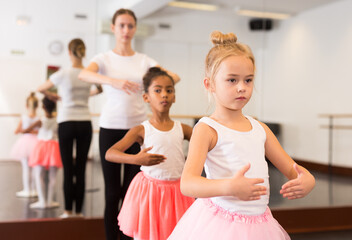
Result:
<point x="246" y="189"/>
<point x="149" y="159"/>
<point x="300" y="186"/>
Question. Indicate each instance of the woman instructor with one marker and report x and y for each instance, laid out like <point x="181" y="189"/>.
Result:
<point x="120" y="71"/>
<point x="75" y="127"/>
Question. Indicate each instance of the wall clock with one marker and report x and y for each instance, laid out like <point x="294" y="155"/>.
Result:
<point x="56" y="47"/>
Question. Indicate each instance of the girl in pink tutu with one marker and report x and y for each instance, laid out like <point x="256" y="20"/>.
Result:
<point x="25" y="144"/>
<point x="46" y="156"/>
<point x="153" y="202"/>
<point x="232" y="200"/>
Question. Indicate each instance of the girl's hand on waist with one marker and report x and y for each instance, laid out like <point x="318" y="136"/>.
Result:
<point x="300" y="186"/>
<point x="149" y="159"/>
<point x="246" y="189"/>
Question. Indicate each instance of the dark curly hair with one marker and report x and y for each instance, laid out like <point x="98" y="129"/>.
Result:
<point x="152" y="73"/>
<point x="49" y="105"/>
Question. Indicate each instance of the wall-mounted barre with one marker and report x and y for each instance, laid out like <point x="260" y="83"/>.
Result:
<point x="331" y="126"/>
<point x="98" y="114"/>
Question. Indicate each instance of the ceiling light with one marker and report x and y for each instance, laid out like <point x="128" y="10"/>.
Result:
<point x="259" y="14"/>
<point x="195" y="6"/>
<point x="23" y="20"/>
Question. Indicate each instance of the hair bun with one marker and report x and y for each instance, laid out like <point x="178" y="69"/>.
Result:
<point x="219" y="38"/>
<point x="32" y="94"/>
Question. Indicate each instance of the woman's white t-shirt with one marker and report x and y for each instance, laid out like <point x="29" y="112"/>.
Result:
<point x="74" y="95"/>
<point x="123" y="111"/>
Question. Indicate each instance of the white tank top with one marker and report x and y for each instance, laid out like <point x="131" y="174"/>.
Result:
<point x="232" y="151"/>
<point x="48" y="130"/>
<point x="169" y="144"/>
<point x="28" y="121"/>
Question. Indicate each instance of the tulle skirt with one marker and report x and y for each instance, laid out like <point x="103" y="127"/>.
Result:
<point x="24" y="146"/>
<point x="152" y="208"/>
<point x="205" y="220"/>
<point x="46" y="154"/>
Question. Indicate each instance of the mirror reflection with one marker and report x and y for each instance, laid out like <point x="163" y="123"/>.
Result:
<point x="301" y="64"/>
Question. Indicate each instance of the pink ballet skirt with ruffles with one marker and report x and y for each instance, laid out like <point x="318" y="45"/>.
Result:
<point x="205" y="220"/>
<point x="24" y="146"/>
<point x="152" y="208"/>
<point x="46" y="154"/>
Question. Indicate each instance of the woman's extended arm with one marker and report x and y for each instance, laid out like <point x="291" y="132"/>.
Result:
<point x="90" y="74"/>
<point x="44" y="88"/>
<point x="174" y="76"/>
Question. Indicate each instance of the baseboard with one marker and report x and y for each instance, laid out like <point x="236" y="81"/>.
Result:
<point x="343" y="171"/>
<point x="53" y="229"/>
<point x="321" y="219"/>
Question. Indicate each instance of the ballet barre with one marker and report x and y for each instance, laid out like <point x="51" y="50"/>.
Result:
<point x="10" y="115"/>
<point x="98" y="114"/>
<point x="178" y="116"/>
<point x="331" y="126"/>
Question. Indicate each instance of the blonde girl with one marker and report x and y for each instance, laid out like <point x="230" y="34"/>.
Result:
<point x="233" y="197"/>
<point x="25" y="144"/>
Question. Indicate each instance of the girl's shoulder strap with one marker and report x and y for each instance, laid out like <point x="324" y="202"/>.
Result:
<point x="253" y="121"/>
<point x="146" y="123"/>
<point x="210" y="122"/>
<point x="147" y="126"/>
<point x="178" y="127"/>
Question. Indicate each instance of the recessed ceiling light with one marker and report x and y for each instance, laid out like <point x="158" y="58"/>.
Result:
<point x="195" y="6"/>
<point x="23" y="20"/>
<point x="260" y="14"/>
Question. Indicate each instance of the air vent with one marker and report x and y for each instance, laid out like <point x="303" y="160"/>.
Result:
<point x="17" y="52"/>
<point x="81" y="16"/>
<point x="164" y="25"/>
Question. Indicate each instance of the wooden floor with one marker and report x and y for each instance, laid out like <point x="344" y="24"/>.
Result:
<point x="327" y="208"/>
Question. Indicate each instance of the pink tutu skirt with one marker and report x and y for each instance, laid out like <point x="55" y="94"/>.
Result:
<point x="205" y="220"/>
<point x="152" y="208"/>
<point x="24" y="146"/>
<point x="46" y="154"/>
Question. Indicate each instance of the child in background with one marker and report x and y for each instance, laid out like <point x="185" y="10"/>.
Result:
<point x="25" y="144"/>
<point x="153" y="202"/>
<point x="233" y="198"/>
<point x="46" y="156"/>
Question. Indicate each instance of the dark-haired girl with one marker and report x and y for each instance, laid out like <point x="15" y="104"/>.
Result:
<point x="46" y="156"/>
<point x="154" y="203"/>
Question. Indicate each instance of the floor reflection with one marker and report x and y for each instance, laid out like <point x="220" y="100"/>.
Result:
<point x="328" y="191"/>
<point x="13" y="208"/>
<point x="335" y="191"/>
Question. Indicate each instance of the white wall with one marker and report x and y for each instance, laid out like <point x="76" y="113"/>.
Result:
<point x="302" y="71"/>
<point x="182" y="48"/>
<point x="302" y="65"/>
<point x="307" y="72"/>
<point x="22" y="73"/>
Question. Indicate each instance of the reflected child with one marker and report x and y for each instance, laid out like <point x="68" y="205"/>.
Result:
<point x="46" y="156"/>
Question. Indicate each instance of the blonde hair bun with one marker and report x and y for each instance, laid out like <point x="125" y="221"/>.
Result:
<point x="218" y="38"/>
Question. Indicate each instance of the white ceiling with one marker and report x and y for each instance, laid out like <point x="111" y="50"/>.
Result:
<point x="287" y="6"/>
<point x="145" y="7"/>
